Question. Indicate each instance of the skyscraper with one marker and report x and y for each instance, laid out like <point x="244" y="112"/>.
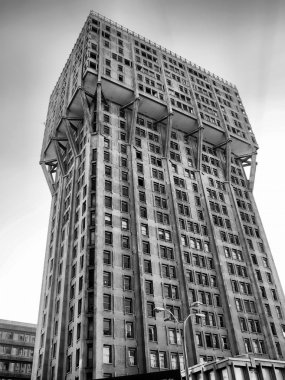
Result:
<point x="146" y="155"/>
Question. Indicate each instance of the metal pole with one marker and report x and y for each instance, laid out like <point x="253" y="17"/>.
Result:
<point x="185" y="346"/>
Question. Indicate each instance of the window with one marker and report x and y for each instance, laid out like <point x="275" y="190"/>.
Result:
<point x="108" y="237"/>
<point x="108" y="202"/>
<point x="125" y="242"/>
<point x="141" y="181"/>
<point x="154" y="363"/>
<point x="146" y="247"/>
<point x="199" y="339"/>
<point x="152" y="333"/>
<point x="164" y="235"/>
<point x="140" y="168"/>
<point x="123" y="136"/>
<point x="127" y="283"/>
<point x="128" y="305"/>
<point x="162" y="360"/>
<point x="150" y="309"/>
<point x="125" y="191"/>
<point x="107" y="354"/>
<point x="126" y="262"/>
<point x="106" y="143"/>
<point x="142" y="197"/>
<point x="124" y="162"/>
<point x="263" y="292"/>
<point x="107" y="257"/>
<point x="125" y="224"/>
<point x="162" y="218"/>
<point x="144" y="229"/>
<point x="172" y="336"/>
<point x="130" y="330"/>
<point x="107" y="302"/>
<point x="225" y="344"/>
<point x="274" y="294"/>
<point x="124" y="206"/>
<point x="106" y="157"/>
<point x="108" y="220"/>
<point x="160" y="202"/>
<point x="158" y="187"/>
<point x="107" y="279"/>
<point x="124" y="176"/>
<point x="132" y="356"/>
<point x="238" y="304"/>
<point x="278" y="312"/>
<point x="69" y="363"/>
<point x="174" y="361"/>
<point x="148" y="287"/>
<point x="107" y="326"/>
<point x="106" y="129"/>
<point x="147" y="266"/>
<point x="247" y="345"/>
<point x="269" y="277"/>
<point x="108" y="171"/>
<point x="143" y="212"/>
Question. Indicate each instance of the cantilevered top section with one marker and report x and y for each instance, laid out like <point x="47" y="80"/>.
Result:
<point x="129" y="66"/>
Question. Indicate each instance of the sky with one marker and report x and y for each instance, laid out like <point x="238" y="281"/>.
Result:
<point x="241" y="41"/>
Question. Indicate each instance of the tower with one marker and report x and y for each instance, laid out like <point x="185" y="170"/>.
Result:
<point x="145" y="154"/>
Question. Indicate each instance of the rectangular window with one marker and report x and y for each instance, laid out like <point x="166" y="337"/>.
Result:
<point x="108" y="237"/>
<point x="125" y="242"/>
<point x="107" y="354"/>
<point x="154" y="359"/>
<point x="107" y="326"/>
<point x="132" y="356"/>
<point x="130" y="330"/>
<point x="125" y="224"/>
<point x="128" y="305"/>
<point x="107" y="279"/>
<point x="127" y="283"/>
<point x="108" y="219"/>
<point x="126" y="262"/>
<point x="107" y="302"/>
<point x="144" y="229"/>
<point x="124" y="206"/>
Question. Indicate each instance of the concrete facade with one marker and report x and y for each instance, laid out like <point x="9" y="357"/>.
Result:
<point x="239" y="368"/>
<point x="144" y="153"/>
<point x="17" y="340"/>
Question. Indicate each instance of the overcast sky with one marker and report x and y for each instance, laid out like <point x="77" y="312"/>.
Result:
<point x="240" y="40"/>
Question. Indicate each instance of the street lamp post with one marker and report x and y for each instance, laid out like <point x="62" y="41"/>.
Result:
<point x="183" y="337"/>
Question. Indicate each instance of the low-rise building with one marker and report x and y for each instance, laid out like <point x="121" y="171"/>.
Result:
<point x="17" y="340"/>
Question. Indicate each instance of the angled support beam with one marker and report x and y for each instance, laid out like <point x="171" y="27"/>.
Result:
<point x="129" y="104"/>
<point x="59" y="139"/>
<point x="98" y="108"/>
<point x="252" y="172"/>
<point x="133" y="121"/>
<point x="74" y="118"/>
<point x="71" y="138"/>
<point x="199" y="147"/>
<point x="163" y="118"/>
<point x="193" y="132"/>
<point x="86" y="110"/>
<point x="245" y="157"/>
<point x="103" y="98"/>
<point x="228" y="160"/>
<point x="222" y="144"/>
<point x="49" y="163"/>
<point x="168" y="135"/>
<point x="63" y="147"/>
<point x="48" y="177"/>
<point x="59" y="158"/>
